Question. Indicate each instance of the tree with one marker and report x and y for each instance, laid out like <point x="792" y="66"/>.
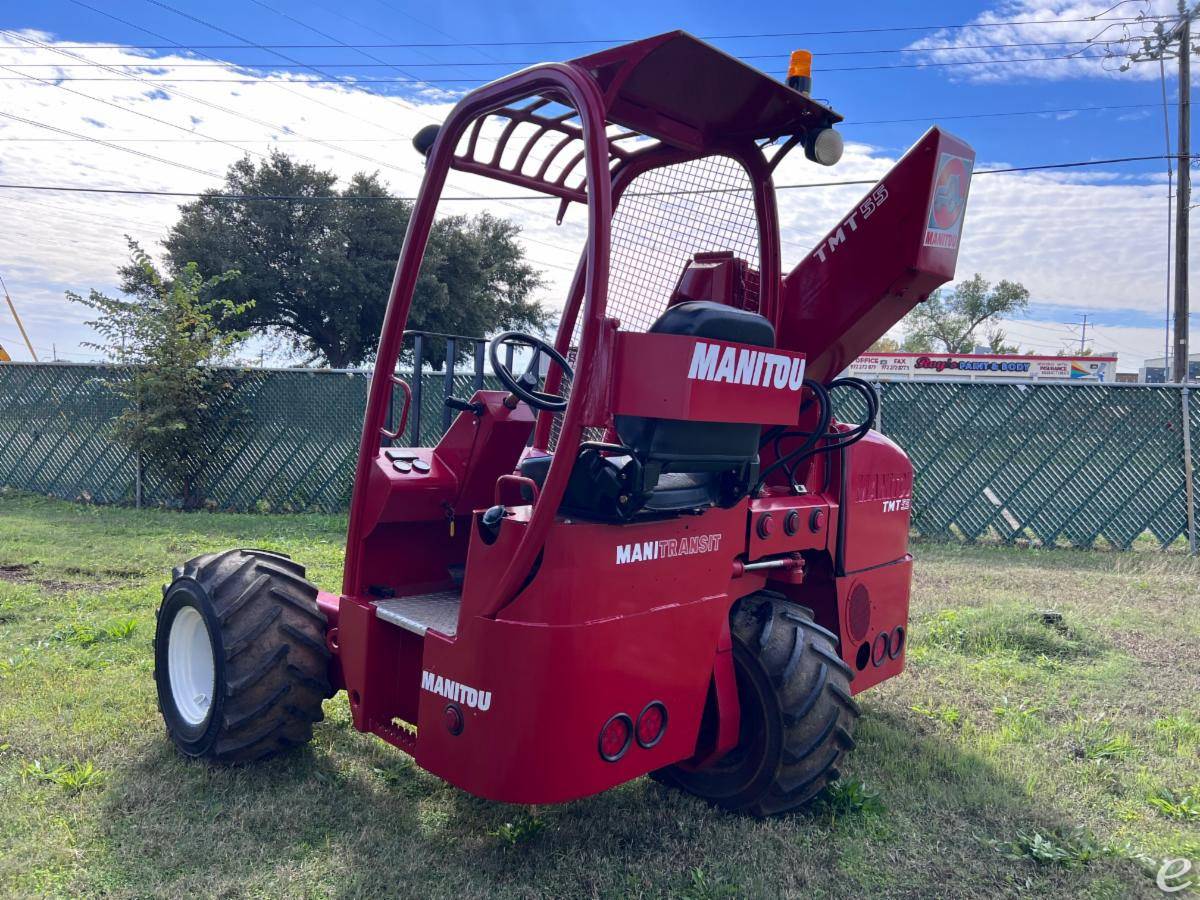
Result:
<point x="173" y="339"/>
<point x="948" y="321"/>
<point x="884" y="344"/>
<point x="319" y="270"/>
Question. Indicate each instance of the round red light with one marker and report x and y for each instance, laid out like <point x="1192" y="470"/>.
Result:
<point x="651" y="724"/>
<point x="453" y="718"/>
<point x="615" y="737"/>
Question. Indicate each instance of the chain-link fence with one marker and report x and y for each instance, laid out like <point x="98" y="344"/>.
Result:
<point x="1047" y="464"/>
<point x="1050" y="464"/>
<point x="291" y="448"/>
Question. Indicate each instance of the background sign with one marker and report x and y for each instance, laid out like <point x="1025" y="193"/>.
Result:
<point x="985" y="365"/>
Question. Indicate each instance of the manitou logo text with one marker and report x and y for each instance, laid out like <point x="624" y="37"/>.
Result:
<point x="644" y="551"/>
<point x="894" y="489"/>
<point x="456" y="692"/>
<point x="737" y="365"/>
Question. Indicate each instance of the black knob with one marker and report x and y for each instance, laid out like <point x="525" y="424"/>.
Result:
<point x="423" y="140"/>
<point x="489" y="523"/>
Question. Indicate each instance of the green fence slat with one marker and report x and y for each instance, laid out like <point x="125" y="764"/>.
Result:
<point x="1049" y="464"/>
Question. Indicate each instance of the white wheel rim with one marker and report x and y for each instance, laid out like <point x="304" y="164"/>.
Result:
<point x="190" y="665"/>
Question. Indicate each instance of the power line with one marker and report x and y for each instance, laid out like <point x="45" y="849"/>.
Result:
<point x="162" y="5"/>
<point x="521" y="63"/>
<point x="95" y="140"/>
<point x="176" y="45"/>
<point x="889" y="29"/>
<point x="350" y="81"/>
<point x="519" y="198"/>
<point x="1083" y="338"/>
<point x="133" y="112"/>
<point x="232" y="112"/>
<point x="124" y="222"/>
<point x="387" y="36"/>
<point x="998" y="115"/>
<point x="939" y="117"/>
<point x="374" y="59"/>
<point x="166" y="6"/>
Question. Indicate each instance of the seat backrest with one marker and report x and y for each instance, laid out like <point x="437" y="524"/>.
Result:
<point x="673" y="445"/>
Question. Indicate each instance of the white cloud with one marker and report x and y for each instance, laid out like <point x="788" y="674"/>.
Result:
<point x="1111" y="41"/>
<point x="1082" y="239"/>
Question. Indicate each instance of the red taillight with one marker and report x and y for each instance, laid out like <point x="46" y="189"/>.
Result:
<point x="615" y="737"/>
<point x="651" y="725"/>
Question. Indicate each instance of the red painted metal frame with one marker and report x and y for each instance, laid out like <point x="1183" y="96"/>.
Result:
<point x="565" y="623"/>
<point x="582" y="92"/>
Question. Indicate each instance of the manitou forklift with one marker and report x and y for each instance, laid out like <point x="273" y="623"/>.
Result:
<point x="661" y="553"/>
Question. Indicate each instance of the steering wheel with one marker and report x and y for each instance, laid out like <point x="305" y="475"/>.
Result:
<point x="525" y="387"/>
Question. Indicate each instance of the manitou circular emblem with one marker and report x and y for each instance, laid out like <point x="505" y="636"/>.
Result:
<point x="948" y="201"/>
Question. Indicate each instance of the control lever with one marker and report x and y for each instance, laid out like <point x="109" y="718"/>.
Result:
<point x="464" y="406"/>
<point x="489" y="523"/>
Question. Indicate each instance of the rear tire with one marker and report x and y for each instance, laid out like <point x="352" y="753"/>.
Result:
<point x="240" y="660"/>
<point x="797" y="716"/>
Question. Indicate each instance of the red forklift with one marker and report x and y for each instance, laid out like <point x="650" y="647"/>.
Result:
<point x="660" y="554"/>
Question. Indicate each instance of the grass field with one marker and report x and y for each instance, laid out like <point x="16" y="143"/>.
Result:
<point x="1020" y="755"/>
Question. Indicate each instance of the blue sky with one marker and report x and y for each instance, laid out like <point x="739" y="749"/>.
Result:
<point x="1115" y="201"/>
<point x="865" y="95"/>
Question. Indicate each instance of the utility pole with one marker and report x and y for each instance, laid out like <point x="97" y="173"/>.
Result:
<point x="1159" y="47"/>
<point x="1183" y="199"/>
<point x="1083" y="335"/>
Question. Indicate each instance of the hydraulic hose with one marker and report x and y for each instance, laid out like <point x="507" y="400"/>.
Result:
<point x="835" y="440"/>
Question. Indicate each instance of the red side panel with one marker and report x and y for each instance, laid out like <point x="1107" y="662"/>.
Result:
<point x="878" y="503"/>
<point x="671" y="376"/>
<point x="895" y="247"/>
<point x="873" y="621"/>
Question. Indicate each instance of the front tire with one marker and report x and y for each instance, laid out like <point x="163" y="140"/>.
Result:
<point x="240" y="660"/>
<point x="797" y="716"/>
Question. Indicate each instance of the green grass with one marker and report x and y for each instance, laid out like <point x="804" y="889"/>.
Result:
<point x="1023" y="753"/>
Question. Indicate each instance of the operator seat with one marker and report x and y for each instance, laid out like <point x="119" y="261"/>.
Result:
<point x="666" y="466"/>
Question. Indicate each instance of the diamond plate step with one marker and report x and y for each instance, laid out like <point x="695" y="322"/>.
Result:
<point x="421" y="612"/>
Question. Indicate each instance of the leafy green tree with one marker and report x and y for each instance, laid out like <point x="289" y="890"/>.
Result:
<point x="948" y="321"/>
<point x="884" y="344"/>
<point x="174" y="338"/>
<point x="319" y="270"/>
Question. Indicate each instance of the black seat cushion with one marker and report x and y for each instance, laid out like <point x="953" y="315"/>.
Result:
<point x="684" y="446"/>
<point x="681" y="491"/>
<point x="680" y="466"/>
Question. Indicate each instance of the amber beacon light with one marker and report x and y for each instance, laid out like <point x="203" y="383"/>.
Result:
<point x="799" y="77"/>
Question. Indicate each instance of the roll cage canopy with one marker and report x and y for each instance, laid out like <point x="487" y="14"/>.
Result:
<point x="671" y="89"/>
<point x="682" y="91"/>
